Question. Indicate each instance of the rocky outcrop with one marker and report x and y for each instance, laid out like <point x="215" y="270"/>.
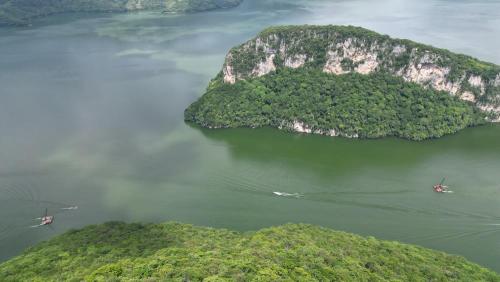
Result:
<point x="264" y="67"/>
<point x="493" y="110"/>
<point x="425" y="70"/>
<point x="496" y="83"/>
<point x="339" y="50"/>
<point x="295" y="61"/>
<point x="337" y="56"/>
<point x="302" y="127"/>
<point x="229" y="76"/>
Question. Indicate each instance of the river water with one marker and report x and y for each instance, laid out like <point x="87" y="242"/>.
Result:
<point x="91" y="115"/>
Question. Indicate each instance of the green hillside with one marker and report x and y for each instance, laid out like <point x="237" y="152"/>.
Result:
<point x="352" y="105"/>
<point x="179" y="252"/>
<point x="21" y="12"/>
<point x="348" y="81"/>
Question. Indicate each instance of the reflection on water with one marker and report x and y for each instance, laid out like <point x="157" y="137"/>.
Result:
<point x="91" y="115"/>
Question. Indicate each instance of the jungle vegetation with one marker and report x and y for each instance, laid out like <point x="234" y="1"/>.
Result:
<point x="179" y="252"/>
<point x="367" y="106"/>
<point x="353" y="105"/>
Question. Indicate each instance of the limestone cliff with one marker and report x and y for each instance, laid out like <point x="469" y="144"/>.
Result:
<point x="340" y="50"/>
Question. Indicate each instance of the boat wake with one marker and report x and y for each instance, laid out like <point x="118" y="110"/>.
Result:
<point x="368" y="199"/>
<point x="21" y="205"/>
<point x="284" y="194"/>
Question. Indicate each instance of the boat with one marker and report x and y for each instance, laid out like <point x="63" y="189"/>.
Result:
<point x="284" y="194"/>
<point x="441" y="188"/>
<point x="46" y="220"/>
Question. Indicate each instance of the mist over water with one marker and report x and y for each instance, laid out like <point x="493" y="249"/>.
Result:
<point x="91" y="115"/>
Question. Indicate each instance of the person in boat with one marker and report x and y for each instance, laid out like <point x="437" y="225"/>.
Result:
<point x="438" y="188"/>
<point x="441" y="188"/>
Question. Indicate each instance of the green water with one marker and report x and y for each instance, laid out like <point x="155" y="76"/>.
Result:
<point x="91" y="114"/>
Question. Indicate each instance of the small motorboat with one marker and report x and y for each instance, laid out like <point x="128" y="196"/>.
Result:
<point x="283" y="194"/>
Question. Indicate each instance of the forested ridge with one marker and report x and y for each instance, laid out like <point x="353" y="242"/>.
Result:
<point x="21" y="12"/>
<point x="393" y="53"/>
<point x="348" y="81"/>
<point x="179" y="252"/>
<point x="352" y="105"/>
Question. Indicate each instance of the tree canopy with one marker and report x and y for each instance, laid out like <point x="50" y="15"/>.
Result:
<point x="178" y="252"/>
<point x="368" y="106"/>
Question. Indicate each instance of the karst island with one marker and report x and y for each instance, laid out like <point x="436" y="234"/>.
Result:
<point x="348" y="81"/>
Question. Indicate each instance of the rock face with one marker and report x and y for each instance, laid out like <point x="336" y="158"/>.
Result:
<point x="339" y="50"/>
<point x="365" y="60"/>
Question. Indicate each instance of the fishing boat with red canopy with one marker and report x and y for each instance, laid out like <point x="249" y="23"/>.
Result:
<point x="45" y="220"/>
<point x="441" y="188"/>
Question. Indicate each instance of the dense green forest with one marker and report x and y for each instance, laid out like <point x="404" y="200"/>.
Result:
<point x="179" y="252"/>
<point x="20" y="12"/>
<point x="368" y="106"/>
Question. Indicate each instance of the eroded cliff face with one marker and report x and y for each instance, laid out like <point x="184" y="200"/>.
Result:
<point x="338" y="52"/>
<point x="301" y="127"/>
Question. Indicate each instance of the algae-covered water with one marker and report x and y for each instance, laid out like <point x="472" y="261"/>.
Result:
<point x="91" y="114"/>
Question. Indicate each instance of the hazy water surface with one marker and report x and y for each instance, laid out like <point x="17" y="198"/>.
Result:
<point x="91" y="114"/>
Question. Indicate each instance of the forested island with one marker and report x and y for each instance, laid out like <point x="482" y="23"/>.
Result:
<point x="21" y="12"/>
<point x="179" y="252"/>
<point x="348" y="81"/>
